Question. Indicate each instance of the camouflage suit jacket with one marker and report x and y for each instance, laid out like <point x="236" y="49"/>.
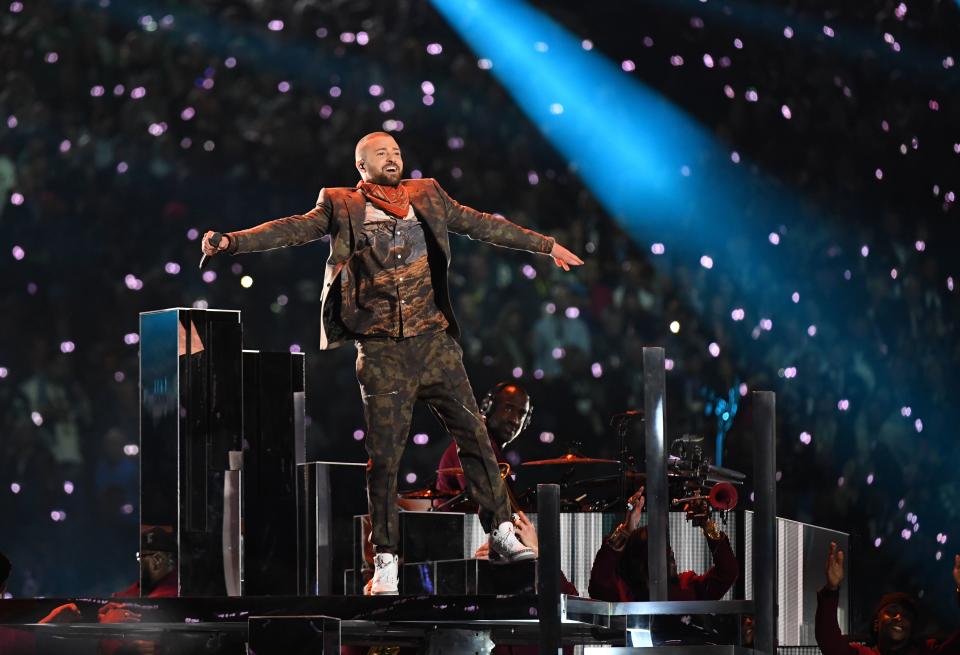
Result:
<point x="339" y="214"/>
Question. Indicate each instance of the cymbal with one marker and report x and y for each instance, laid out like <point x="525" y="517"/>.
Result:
<point x="570" y="459"/>
<point x="427" y="493"/>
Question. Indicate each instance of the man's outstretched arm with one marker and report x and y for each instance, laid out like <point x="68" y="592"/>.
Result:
<point x="501" y="232"/>
<point x="280" y="233"/>
<point x="827" y="630"/>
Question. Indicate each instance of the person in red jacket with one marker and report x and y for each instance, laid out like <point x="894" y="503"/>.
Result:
<point x="894" y="621"/>
<point x="619" y="572"/>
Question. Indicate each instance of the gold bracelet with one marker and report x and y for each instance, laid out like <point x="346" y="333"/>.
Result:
<point x="711" y="530"/>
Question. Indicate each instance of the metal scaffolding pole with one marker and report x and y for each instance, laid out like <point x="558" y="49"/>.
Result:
<point x="654" y="406"/>
<point x="764" y="521"/>
<point x="548" y="567"/>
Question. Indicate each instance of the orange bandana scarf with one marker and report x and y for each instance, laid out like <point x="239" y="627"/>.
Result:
<point x="393" y="200"/>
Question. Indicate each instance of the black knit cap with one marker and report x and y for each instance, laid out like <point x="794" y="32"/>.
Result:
<point x="906" y="600"/>
<point x="157" y="539"/>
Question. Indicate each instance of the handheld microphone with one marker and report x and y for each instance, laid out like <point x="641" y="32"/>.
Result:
<point x="214" y="242"/>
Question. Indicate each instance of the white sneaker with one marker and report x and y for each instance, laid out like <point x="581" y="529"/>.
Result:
<point x="385" y="573"/>
<point x="505" y="547"/>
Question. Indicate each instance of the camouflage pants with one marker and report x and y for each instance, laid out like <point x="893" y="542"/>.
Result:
<point x="393" y="374"/>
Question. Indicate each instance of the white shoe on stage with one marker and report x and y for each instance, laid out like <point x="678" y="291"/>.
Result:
<point x="385" y="574"/>
<point x="505" y="547"/>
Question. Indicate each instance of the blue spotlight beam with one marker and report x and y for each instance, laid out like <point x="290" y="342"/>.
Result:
<point x="644" y="159"/>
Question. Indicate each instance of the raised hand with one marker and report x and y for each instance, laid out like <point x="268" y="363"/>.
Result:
<point x="638" y="500"/>
<point x="209" y="250"/>
<point x="564" y="258"/>
<point x="834" y="568"/>
<point x="526" y="532"/>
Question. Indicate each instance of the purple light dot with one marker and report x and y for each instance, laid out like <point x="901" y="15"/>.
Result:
<point x="729" y="92"/>
<point x="906" y="534"/>
<point x="774" y="238"/>
<point x="275" y="25"/>
<point x="363" y="38"/>
<point x="65" y="146"/>
<point x="529" y="271"/>
<point x="550" y="308"/>
<point x="209" y="276"/>
<point x="193" y="234"/>
<point x="207" y="83"/>
<point x="335" y="91"/>
<point x="283" y="86"/>
<point x="533" y="178"/>
<point x="16" y="198"/>
<point x="294" y="347"/>
<point x="751" y="95"/>
<point x="326" y="111"/>
<point x="628" y="65"/>
<point x="428" y="100"/>
<point x="785" y="110"/>
<point x="421" y="439"/>
<point x="557" y="353"/>
<point x="828" y="31"/>
<point x="790" y="372"/>
<point x="905" y="411"/>
<point x="416" y="174"/>
<point x="950" y="283"/>
<point x="648" y="42"/>
<point x="127" y="508"/>
<point x="547" y="437"/>
<point x="67" y="346"/>
<point x="918" y="425"/>
<point x="586" y="44"/>
<point x="596" y="369"/>
<point x="934" y="105"/>
<point x="877" y="542"/>
<point x="812" y="330"/>
<point x="865" y="250"/>
<point x="186" y="142"/>
<point x="119" y="89"/>
<point x="795" y="297"/>
<point x="131" y="338"/>
<point x="434" y="49"/>
<point x="347" y="37"/>
<point x="806" y="438"/>
<point x="870" y="479"/>
<point x="122" y="167"/>
<point x="517" y="372"/>
<point x="657" y="248"/>
<point x="735" y="157"/>
<point x="358" y="434"/>
<point x="230" y="62"/>
<point x="668" y="364"/>
<point x="118" y="376"/>
<point x="766" y="324"/>
<point x="843" y="404"/>
<point x="737" y="314"/>
<point x="15" y="487"/>
<point x="738" y="44"/>
<point x="188" y="113"/>
<point x="840" y="481"/>
<point x="51" y="57"/>
<point x="138" y="92"/>
<point x="12" y="122"/>
<point x="572" y="312"/>
<point x="484" y="64"/>
<point x="893" y="273"/>
<point x="16" y="7"/>
<point x="18" y="253"/>
<point x="714" y="349"/>
<point x="427" y="87"/>
<point x="920" y="246"/>
<point x="172" y="268"/>
<point x="4" y="372"/>
<point x="388" y="105"/>
<point x="676" y="60"/>
<point x="708" y="61"/>
<point x="706" y="261"/>
<point x="97" y="91"/>
<point x="37" y="418"/>
<point x="68" y="487"/>
<point x="788" y="32"/>
<point x="901" y="503"/>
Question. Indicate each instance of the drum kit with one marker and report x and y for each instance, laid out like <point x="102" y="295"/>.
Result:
<point x="696" y="486"/>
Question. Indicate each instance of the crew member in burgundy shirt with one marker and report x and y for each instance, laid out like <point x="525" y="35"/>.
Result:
<point x="619" y="572"/>
<point x="894" y="620"/>
<point x="385" y="287"/>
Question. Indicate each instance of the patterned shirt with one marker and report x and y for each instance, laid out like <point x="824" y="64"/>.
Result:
<point x="394" y="291"/>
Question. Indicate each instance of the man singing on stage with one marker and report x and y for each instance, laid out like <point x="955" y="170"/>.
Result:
<point x="385" y="286"/>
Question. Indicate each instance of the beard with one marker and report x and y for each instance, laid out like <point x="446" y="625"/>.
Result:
<point x="387" y="179"/>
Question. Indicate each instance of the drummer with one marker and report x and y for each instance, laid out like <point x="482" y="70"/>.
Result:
<point x="506" y="410"/>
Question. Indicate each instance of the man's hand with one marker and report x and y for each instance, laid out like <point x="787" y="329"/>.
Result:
<point x="118" y="613"/>
<point x="209" y="250"/>
<point x="834" y="568"/>
<point x="62" y="614"/>
<point x="638" y="500"/>
<point x="526" y="532"/>
<point x="483" y="552"/>
<point x="564" y="258"/>
<point x="956" y="570"/>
